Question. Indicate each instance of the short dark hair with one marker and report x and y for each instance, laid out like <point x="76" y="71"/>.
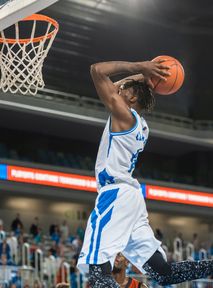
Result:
<point x="144" y="93"/>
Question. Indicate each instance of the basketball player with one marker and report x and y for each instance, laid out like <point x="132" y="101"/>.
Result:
<point x="119" y="274"/>
<point x="119" y="221"/>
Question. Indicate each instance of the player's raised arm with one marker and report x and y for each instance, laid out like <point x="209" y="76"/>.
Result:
<point x="110" y="94"/>
<point x="101" y="73"/>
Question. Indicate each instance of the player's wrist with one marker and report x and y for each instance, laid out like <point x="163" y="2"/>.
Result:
<point x="138" y="67"/>
<point x="142" y="66"/>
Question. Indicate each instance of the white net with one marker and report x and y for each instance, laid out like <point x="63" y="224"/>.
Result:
<point x="21" y="60"/>
<point x="4" y="2"/>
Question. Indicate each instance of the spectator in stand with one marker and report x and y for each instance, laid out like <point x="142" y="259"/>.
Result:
<point x="37" y="239"/>
<point x="5" y="274"/>
<point x="77" y="244"/>
<point x="17" y="222"/>
<point x="37" y="284"/>
<point x="62" y="273"/>
<point x="64" y="231"/>
<point x="49" y="266"/>
<point x="196" y="242"/>
<point x="34" y="227"/>
<point x="119" y="274"/>
<point x="13" y="243"/>
<point x="180" y="236"/>
<point x="21" y="240"/>
<point x="80" y="232"/>
<point x="18" y="231"/>
<point x="27" y="284"/>
<point x="54" y="249"/>
<point x="2" y="232"/>
<point x="4" y="260"/>
<point x="5" y="249"/>
<point x="52" y="229"/>
<point x="56" y="235"/>
<point x="73" y="270"/>
<point x="16" y="281"/>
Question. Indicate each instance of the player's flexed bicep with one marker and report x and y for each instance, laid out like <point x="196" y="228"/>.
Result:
<point x="105" y="88"/>
<point x="108" y="92"/>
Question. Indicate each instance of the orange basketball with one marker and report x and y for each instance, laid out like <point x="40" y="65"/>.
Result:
<point x="174" y="81"/>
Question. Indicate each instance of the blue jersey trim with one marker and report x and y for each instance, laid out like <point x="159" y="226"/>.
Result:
<point x="110" y="142"/>
<point x="134" y="160"/>
<point x="93" y="220"/>
<point x="134" y="113"/>
<point x="103" y="223"/>
<point x="143" y="190"/>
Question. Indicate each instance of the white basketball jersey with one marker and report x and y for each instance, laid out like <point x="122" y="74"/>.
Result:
<point x="118" y="153"/>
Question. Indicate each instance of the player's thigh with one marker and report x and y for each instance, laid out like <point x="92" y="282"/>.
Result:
<point x="141" y="245"/>
<point x="123" y="210"/>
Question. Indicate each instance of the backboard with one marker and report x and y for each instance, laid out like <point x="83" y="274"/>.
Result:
<point x="12" y="11"/>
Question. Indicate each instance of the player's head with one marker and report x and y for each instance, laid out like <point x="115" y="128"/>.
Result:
<point x="137" y="92"/>
<point x="120" y="263"/>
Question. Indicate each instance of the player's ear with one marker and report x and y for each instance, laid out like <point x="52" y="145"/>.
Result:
<point x="133" y="99"/>
<point x="120" y="88"/>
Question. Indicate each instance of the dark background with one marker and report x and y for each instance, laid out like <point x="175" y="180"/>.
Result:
<point x="92" y="31"/>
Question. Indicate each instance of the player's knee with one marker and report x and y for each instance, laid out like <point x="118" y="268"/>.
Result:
<point x="157" y="265"/>
<point x="160" y="273"/>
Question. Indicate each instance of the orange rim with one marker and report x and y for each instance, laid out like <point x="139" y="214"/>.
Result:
<point x="37" y="17"/>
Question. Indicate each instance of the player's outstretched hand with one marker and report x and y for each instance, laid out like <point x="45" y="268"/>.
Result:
<point x="154" y="69"/>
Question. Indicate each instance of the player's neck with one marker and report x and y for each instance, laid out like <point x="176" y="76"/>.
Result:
<point x="121" y="278"/>
<point x="137" y="108"/>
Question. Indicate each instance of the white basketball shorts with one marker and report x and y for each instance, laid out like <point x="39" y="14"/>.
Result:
<point x="118" y="223"/>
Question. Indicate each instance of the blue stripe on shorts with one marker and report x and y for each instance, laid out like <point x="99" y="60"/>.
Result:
<point x="105" y="200"/>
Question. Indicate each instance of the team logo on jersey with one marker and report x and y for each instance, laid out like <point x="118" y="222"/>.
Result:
<point x="140" y="137"/>
<point x="134" y="160"/>
<point x="104" y="178"/>
<point x="82" y="254"/>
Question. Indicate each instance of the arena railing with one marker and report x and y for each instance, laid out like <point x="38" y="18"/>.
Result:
<point x="204" y="125"/>
<point x="84" y="101"/>
<point x="29" y="274"/>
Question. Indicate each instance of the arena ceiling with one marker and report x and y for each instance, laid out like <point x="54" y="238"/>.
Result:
<point x="132" y="30"/>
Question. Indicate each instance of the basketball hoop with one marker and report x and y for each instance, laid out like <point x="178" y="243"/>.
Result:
<point x="22" y="58"/>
